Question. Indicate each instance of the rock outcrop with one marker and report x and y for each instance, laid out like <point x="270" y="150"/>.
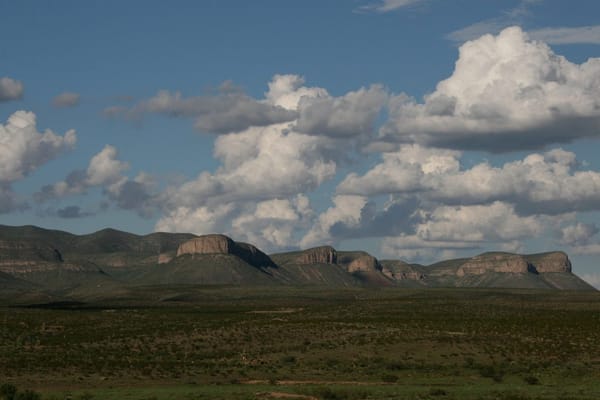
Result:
<point x="494" y="262"/>
<point x="221" y="244"/>
<point x="550" y="262"/>
<point x="317" y="255"/>
<point x="399" y="270"/>
<point x="207" y="244"/>
<point x="164" y="258"/>
<point x="358" y="261"/>
<point x="19" y="256"/>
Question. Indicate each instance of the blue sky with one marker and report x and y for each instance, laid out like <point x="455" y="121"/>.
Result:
<point x="414" y="129"/>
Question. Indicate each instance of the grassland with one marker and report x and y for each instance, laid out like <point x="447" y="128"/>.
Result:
<point x="234" y="343"/>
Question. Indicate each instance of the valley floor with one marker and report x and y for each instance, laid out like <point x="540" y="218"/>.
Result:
<point x="300" y="343"/>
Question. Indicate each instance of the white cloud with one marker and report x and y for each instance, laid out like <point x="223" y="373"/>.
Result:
<point x="496" y="222"/>
<point x="66" y="99"/>
<point x="568" y="35"/>
<point x="578" y="234"/>
<point x="272" y="165"/>
<point x="347" y="116"/>
<point x="506" y="93"/>
<point x="274" y="223"/>
<point x="198" y="220"/>
<point x="346" y="210"/>
<point x="258" y="164"/>
<point x="383" y="6"/>
<point x="287" y="90"/>
<point x="106" y="171"/>
<point x="105" y="168"/>
<point x="228" y="110"/>
<point x="406" y="170"/>
<point x="10" y="89"/>
<point x="547" y="183"/>
<point x="447" y="230"/>
<point x="23" y="149"/>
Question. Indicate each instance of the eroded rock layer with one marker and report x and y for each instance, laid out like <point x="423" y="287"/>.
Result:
<point x="318" y="255"/>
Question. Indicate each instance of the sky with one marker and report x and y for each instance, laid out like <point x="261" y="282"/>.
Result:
<point x="413" y="129"/>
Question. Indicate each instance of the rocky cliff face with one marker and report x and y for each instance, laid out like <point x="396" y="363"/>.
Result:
<point x="221" y="244"/>
<point x="550" y="262"/>
<point x="364" y="263"/>
<point x="18" y="257"/>
<point x="515" y="263"/>
<point x="317" y="255"/>
<point x="207" y="244"/>
<point x="496" y="262"/>
<point x="399" y="270"/>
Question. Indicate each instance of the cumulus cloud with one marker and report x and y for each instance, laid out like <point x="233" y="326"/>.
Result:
<point x="287" y="90"/>
<point x="345" y="210"/>
<point x="578" y="234"/>
<point x="497" y="222"/>
<point x="105" y="168"/>
<point x="347" y="116"/>
<point x="106" y="171"/>
<point x="66" y="99"/>
<point x="199" y="220"/>
<point x="274" y="224"/>
<point x="507" y="92"/>
<point x="228" y="110"/>
<point x="273" y="165"/>
<point x="445" y="230"/>
<point x="23" y="149"/>
<point x="269" y="165"/>
<point x="549" y="183"/>
<point x="10" y="89"/>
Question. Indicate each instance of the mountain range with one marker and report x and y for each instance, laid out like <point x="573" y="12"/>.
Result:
<point x="37" y="262"/>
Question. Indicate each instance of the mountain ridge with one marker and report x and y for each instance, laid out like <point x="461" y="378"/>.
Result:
<point x="62" y="262"/>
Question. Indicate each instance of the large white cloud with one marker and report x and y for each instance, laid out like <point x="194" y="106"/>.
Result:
<point x="550" y="182"/>
<point x="445" y="230"/>
<point x="269" y="165"/>
<point x="23" y="149"/>
<point x="507" y="92"/>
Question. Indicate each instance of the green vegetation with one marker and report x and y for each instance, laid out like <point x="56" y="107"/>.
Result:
<point x="192" y="342"/>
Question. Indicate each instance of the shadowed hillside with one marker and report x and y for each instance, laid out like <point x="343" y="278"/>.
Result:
<point x="109" y="261"/>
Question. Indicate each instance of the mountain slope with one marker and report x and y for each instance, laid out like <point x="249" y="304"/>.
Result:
<point x="109" y="260"/>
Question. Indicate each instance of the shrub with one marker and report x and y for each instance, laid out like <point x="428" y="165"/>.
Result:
<point x="28" y="395"/>
<point x="489" y="371"/>
<point x="531" y="380"/>
<point x="437" y="392"/>
<point x="8" y="391"/>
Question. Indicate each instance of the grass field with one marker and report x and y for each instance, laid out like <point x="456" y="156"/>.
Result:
<point x="234" y="343"/>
